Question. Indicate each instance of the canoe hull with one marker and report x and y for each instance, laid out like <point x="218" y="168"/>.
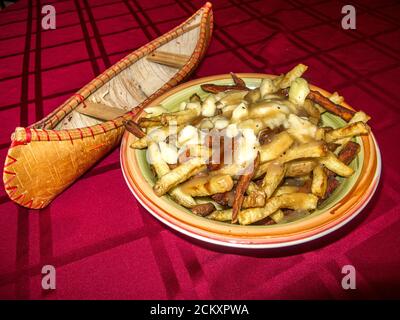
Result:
<point x="42" y="162"/>
<point x="36" y="186"/>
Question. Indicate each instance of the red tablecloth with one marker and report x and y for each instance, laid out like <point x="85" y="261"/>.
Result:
<point x="103" y="243"/>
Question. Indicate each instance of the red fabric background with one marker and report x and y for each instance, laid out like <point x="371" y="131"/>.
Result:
<point x="103" y="243"/>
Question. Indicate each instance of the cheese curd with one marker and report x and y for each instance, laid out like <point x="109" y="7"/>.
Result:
<point x="186" y="134"/>
<point x="209" y="107"/>
<point x="155" y="111"/>
<point x="301" y="129"/>
<point x="298" y="91"/>
<point x="169" y="153"/>
<point x="240" y="112"/>
<point x="220" y="122"/>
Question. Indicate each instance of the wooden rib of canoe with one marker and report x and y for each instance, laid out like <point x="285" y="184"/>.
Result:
<point x="48" y="156"/>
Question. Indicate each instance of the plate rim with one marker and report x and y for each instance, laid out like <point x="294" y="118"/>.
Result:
<point x="246" y="245"/>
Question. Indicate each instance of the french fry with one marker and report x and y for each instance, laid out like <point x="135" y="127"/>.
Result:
<point x="203" y="209"/>
<point x="181" y="198"/>
<point x="348" y="131"/>
<point x="134" y="128"/>
<point x="286" y="189"/>
<point x="300" y="167"/>
<point x="238" y="81"/>
<point x="336" y="98"/>
<point x="178" y="175"/>
<point x="278" y="145"/>
<point x="253" y="187"/>
<point x="224" y="199"/>
<point x="292" y="75"/>
<point x="277" y="216"/>
<point x="261" y="169"/>
<point x="230" y="169"/>
<point x="239" y="84"/>
<point x="141" y="143"/>
<point x="349" y="152"/>
<point x="208" y="185"/>
<point x="154" y="156"/>
<point x="149" y="122"/>
<point x="319" y="182"/>
<point x="157" y="134"/>
<point x="294" y="201"/>
<point x="332" y="185"/>
<point x="254" y="199"/>
<point x="154" y="111"/>
<point x="358" y="116"/>
<point x="269" y="86"/>
<point x="221" y="215"/>
<point x="273" y="177"/>
<point x="253" y="96"/>
<point x="233" y="97"/>
<point x="179" y="117"/>
<point x="161" y="168"/>
<point x="314" y="149"/>
<point x="337" y="109"/>
<point x="241" y="188"/>
<point x="311" y="109"/>
<point x="331" y="162"/>
<point x="306" y="186"/>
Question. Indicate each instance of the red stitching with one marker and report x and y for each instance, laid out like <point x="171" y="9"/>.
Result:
<point x="37" y="134"/>
<point x="115" y="125"/>
<point x="47" y="134"/>
<point x="79" y="96"/>
<point x="80" y="132"/>
<point x="15" y="143"/>
<point x="22" y="195"/>
<point x="81" y="99"/>
<point x="10" y="163"/>
<point x="28" y="135"/>
<point x="10" y="194"/>
<point x="70" y="138"/>
<point x="57" y="118"/>
<point x="30" y="202"/>
<point x="11" y="179"/>
<point x="91" y="131"/>
<point x="57" y="134"/>
<point x="101" y="126"/>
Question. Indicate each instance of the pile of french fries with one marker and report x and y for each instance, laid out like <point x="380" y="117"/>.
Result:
<point x="255" y="156"/>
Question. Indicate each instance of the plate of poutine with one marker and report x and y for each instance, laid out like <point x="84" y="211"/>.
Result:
<point x="251" y="160"/>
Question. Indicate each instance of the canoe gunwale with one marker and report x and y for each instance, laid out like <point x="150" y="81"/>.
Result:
<point x="23" y="135"/>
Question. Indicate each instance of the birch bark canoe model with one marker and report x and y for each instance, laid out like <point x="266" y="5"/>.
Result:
<point x="48" y="156"/>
